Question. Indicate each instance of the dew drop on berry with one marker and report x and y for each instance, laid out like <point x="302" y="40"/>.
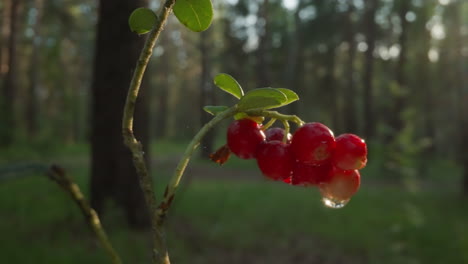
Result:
<point x="331" y="202"/>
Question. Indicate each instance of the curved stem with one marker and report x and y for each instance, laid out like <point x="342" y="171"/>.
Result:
<point x="287" y="128"/>
<point x="179" y="171"/>
<point x="269" y="124"/>
<point x="276" y="115"/>
<point x="160" y="255"/>
<point x="58" y="175"/>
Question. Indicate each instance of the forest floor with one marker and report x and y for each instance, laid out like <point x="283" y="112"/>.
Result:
<point x="232" y="214"/>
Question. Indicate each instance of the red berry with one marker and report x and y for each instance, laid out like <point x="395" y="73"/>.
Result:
<point x="276" y="133"/>
<point x="275" y="160"/>
<point x="341" y="184"/>
<point x="313" y="143"/>
<point x="306" y="175"/>
<point x="243" y="137"/>
<point x="350" y="152"/>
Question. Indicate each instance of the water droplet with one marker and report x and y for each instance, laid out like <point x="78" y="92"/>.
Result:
<point x="334" y="203"/>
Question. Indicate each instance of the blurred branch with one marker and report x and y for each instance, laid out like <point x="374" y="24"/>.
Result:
<point x="182" y="165"/>
<point x="58" y="175"/>
<point x="21" y="169"/>
<point x="160" y="255"/>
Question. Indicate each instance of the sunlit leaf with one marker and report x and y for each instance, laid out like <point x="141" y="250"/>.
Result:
<point x="214" y="109"/>
<point x="196" y="15"/>
<point x="290" y="94"/>
<point x="262" y="98"/>
<point x="142" y="20"/>
<point x="227" y="83"/>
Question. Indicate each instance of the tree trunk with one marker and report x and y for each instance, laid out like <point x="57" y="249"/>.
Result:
<point x="397" y="121"/>
<point x="329" y="83"/>
<point x="263" y="52"/>
<point x="294" y="67"/>
<point x="206" y="92"/>
<point x="5" y="36"/>
<point x="349" y="104"/>
<point x="460" y="82"/>
<point x="112" y="172"/>
<point x="10" y="85"/>
<point x="164" y="66"/>
<point x="370" y="32"/>
<point x="32" y="107"/>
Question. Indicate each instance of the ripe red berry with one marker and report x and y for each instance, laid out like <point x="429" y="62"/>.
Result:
<point x="275" y="160"/>
<point x="350" y="152"/>
<point x="306" y="175"/>
<point x="276" y="133"/>
<point x="243" y="137"/>
<point x="341" y="184"/>
<point x="313" y="143"/>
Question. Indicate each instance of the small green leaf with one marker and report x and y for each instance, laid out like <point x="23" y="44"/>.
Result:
<point x="227" y="83"/>
<point x="262" y="98"/>
<point x="196" y="15"/>
<point x="292" y="96"/>
<point x="241" y="115"/>
<point x="142" y="20"/>
<point x="215" y="109"/>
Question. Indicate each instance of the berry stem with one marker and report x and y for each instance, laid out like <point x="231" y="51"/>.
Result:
<point x="276" y="115"/>
<point x="269" y="124"/>
<point x="287" y="128"/>
<point x="182" y="165"/>
<point x="160" y="255"/>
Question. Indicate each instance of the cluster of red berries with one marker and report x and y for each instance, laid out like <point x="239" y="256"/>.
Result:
<point x="312" y="156"/>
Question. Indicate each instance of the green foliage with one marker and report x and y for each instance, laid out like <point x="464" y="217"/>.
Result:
<point x="262" y="98"/>
<point x="142" y="20"/>
<point x="214" y="110"/>
<point x="196" y="15"/>
<point x="228" y="84"/>
<point x="256" y="99"/>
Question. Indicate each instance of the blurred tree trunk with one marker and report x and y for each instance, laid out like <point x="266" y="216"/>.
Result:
<point x="263" y="53"/>
<point x="460" y="82"/>
<point x="10" y="83"/>
<point x="207" y="95"/>
<point x="329" y="84"/>
<point x="164" y="66"/>
<point x="294" y="66"/>
<point x="32" y="108"/>
<point x="5" y="36"/>
<point x="396" y="117"/>
<point x="112" y="172"/>
<point x="423" y="72"/>
<point x="370" y="33"/>
<point x="350" y="122"/>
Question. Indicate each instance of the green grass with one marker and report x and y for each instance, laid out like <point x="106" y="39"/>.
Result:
<point x="383" y="223"/>
<point x="39" y="223"/>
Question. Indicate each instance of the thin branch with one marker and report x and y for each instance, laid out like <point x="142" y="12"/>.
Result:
<point x="179" y="171"/>
<point x="276" y="115"/>
<point x="58" y="175"/>
<point x="160" y="255"/>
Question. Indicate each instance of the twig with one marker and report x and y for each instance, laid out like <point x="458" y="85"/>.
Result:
<point x="179" y="171"/>
<point x="160" y="255"/>
<point x="58" y="175"/>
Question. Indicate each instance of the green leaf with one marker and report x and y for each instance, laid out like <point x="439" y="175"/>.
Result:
<point x="215" y="109"/>
<point x="292" y="96"/>
<point x="241" y="115"/>
<point x="142" y="20"/>
<point x="262" y="98"/>
<point x="194" y="14"/>
<point x="227" y="83"/>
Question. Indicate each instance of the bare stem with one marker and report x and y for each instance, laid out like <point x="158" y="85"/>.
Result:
<point x="276" y="115"/>
<point x="58" y="175"/>
<point x="160" y="255"/>
<point x="179" y="171"/>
